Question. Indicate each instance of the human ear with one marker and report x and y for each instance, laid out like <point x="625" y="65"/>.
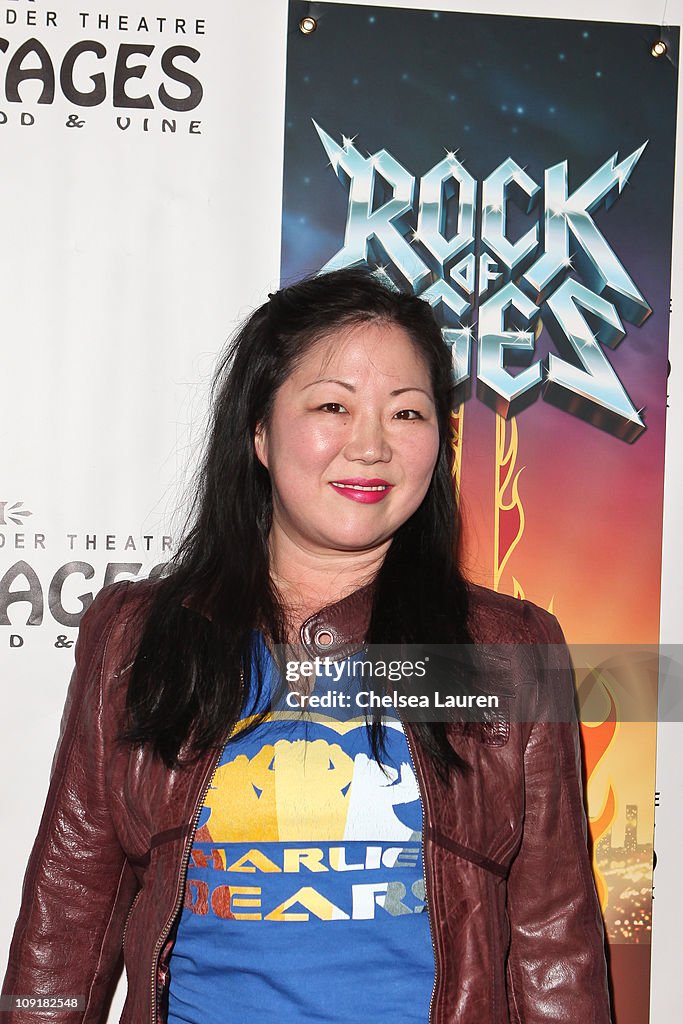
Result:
<point x="261" y="444"/>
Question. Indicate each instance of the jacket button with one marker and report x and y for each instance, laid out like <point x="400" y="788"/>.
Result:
<point x="324" y="638"/>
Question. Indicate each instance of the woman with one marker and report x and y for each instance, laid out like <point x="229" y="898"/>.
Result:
<point x="308" y="868"/>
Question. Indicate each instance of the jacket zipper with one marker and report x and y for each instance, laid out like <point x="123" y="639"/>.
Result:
<point x="424" y="870"/>
<point x="181" y="888"/>
<point x="132" y="908"/>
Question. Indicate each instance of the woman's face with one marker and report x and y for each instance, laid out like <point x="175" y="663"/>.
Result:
<point x="352" y="440"/>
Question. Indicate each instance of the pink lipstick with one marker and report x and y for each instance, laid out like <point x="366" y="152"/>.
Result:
<point x="367" y="491"/>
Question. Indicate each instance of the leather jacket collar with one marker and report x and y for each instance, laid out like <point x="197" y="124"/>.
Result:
<point x="335" y="631"/>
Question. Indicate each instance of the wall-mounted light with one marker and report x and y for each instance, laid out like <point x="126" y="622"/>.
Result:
<point x="308" y="25"/>
<point x="659" y="48"/>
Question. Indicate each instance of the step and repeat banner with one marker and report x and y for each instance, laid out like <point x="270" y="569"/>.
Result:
<point x="163" y="167"/>
<point x="139" y="225"/>
<point x="518" y="174"/>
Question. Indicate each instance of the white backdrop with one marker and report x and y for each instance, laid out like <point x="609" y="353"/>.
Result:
<point x="126" y="259"/>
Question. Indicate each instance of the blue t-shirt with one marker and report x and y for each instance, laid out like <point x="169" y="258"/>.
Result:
<point x="304" y="897"/>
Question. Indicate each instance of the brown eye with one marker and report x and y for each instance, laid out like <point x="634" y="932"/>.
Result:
<point x="409" y="414"/>
<point x="332" y="407"/>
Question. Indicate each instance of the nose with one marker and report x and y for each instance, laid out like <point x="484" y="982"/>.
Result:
<point x="368" y="442"/>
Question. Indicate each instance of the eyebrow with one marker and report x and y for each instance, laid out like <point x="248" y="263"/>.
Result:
<point x="350" y="387"/>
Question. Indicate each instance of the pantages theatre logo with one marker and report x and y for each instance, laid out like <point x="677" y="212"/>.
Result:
<point x="37" y="590"/>
<point x="145" y="69"/>
<point x="514" y="288"/>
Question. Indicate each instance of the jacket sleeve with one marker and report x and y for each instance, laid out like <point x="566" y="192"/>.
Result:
<point x="78" y="884"/>
<point x="556" y="966"/>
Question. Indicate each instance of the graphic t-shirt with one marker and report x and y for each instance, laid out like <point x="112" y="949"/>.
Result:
<point x="304" y="897"/>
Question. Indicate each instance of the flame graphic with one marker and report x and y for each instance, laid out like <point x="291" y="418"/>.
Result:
<point x="597" y="738"/>
<point x="518" y="591"/>
<point x="509" y="511"/>
<point x="457" y="423"/>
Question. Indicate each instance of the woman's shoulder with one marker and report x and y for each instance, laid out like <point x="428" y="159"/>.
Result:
<point x="118" y="609"/>
<point x="111" y="628"/>
<point x="121" y="600"/>
<point x="497" y="618"/>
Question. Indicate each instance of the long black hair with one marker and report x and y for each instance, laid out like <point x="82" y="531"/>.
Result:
<point x="190" y="681"/>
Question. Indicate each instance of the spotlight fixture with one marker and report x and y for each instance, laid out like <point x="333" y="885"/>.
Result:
<point x="659" y="48"/>
<point x="308" y="25"/>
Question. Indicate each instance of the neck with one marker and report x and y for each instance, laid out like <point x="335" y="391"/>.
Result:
<point x="307" y="580"/>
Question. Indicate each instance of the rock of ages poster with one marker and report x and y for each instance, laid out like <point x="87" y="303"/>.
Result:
<point x="518" y="174"/>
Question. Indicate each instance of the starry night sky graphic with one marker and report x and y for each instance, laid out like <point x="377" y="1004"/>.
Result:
<point x="419" y="83"/>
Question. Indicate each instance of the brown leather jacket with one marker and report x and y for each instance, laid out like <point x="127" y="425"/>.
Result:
<point x="516" y="924"/>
